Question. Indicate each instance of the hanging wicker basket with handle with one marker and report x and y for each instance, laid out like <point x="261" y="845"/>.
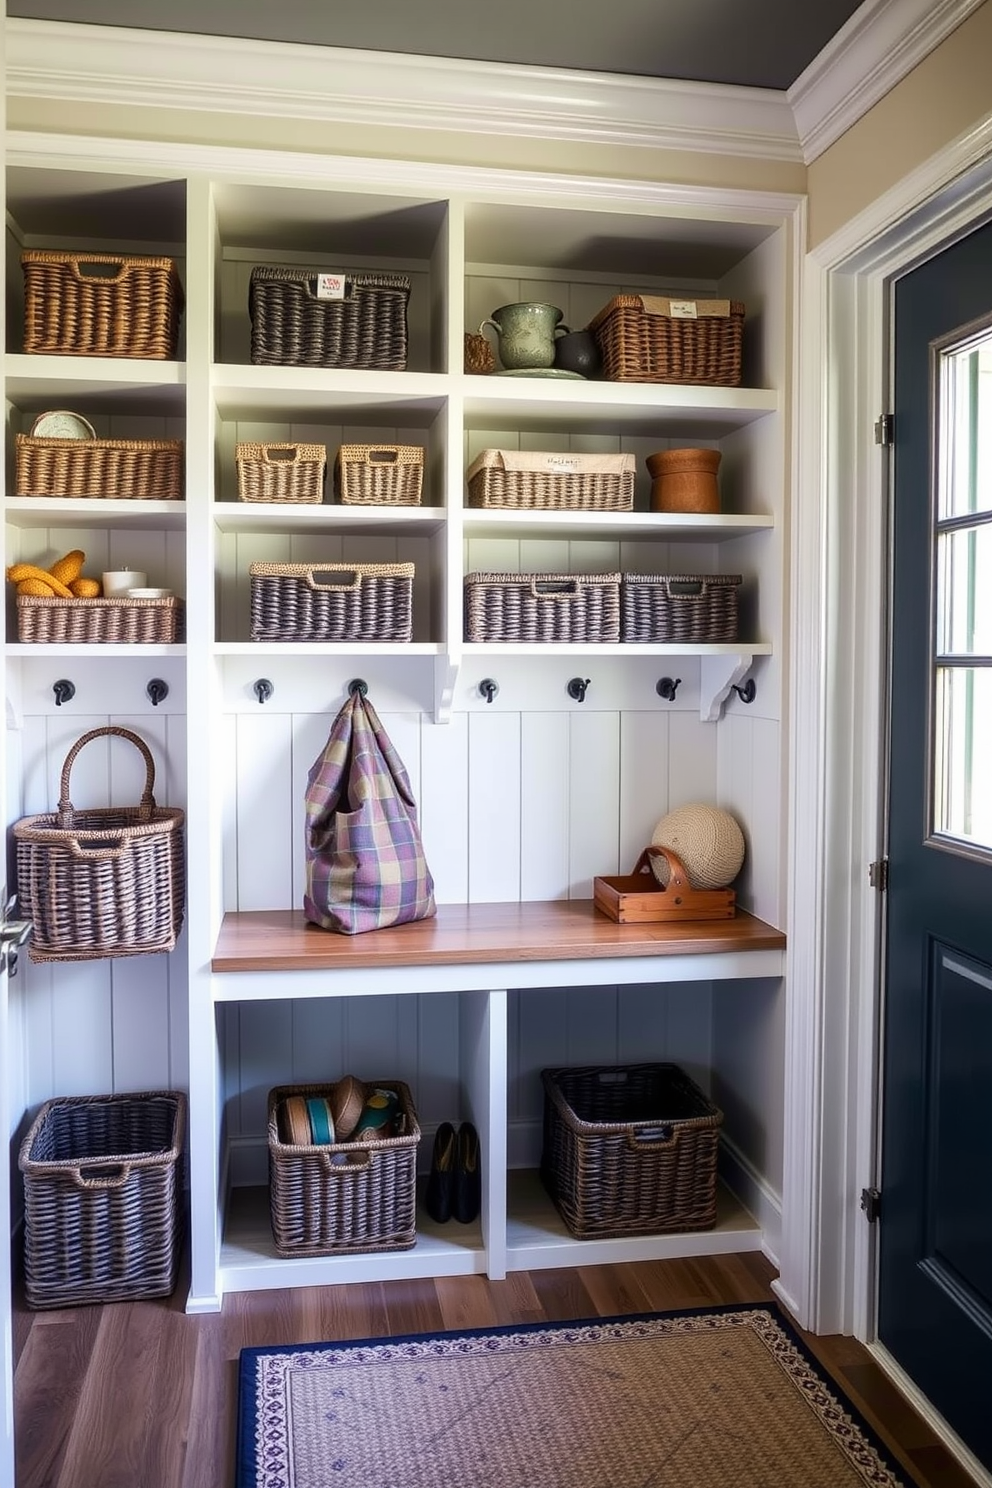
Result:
<point x="108" y="881"/>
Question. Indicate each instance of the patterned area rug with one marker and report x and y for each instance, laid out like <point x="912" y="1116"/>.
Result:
<point x="727" y="1398"/>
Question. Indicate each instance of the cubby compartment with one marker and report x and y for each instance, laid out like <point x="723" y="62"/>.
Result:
<point x="330" y="232"/>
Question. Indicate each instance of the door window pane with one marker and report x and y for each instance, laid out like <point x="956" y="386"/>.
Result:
<point x="964" y="591"/>
<point x="966" y="403"/>
<point x="963" y="780"/>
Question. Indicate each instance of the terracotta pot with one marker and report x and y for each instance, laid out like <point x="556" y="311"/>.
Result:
<point x="684" y="480"/>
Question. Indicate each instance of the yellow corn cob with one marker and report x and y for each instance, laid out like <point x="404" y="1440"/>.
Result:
<point x="69" y="567"/>
<point x="37" y="587"/>
<point x="21" y="571"/>
<point x="86" y="588"/>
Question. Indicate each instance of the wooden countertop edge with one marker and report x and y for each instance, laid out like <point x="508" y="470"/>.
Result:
<point x="556" y="930"/>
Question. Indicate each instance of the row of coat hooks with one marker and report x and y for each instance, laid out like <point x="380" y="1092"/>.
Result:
<point x="65" y="691"/>
<point x="665" y="687"/>
<point x="263" y="688"/>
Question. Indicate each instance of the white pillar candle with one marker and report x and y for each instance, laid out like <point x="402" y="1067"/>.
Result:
<point x="118" y="581"/>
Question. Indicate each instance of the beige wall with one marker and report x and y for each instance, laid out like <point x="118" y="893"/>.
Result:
<point x="949" y="93"/>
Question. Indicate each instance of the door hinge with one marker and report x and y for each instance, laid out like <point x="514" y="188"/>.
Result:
<point x="878" y="874"/>
<point x="885" y="428"/>
<point x="871" y="1203"/>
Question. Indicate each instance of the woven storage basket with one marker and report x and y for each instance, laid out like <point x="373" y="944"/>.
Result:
<point x="100" y="304"/>
<point x="281" y="472"/>
<point x="331" y="601"/>
<point x="106" y="881"/>
<point x="102" y="621"/>
<point x="117" y="469"/>
<point x="529" y="480"/>
<point x="292" y="327"/>
<point x="679" y="607"/>
<point x="629" y="1150"/>
<point x="646" y="338"/>
<point x="343" y="1198"/>
<point x="542" y="607"/>
<point x="102" y="1194"/>
<point x="379" y="474"/>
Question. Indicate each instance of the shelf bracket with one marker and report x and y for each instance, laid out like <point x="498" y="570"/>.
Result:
<point x="717" y="676"/>
<point x="446" y="669"/>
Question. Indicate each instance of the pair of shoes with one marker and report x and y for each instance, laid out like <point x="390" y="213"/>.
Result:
<point x="454" y="1187"/>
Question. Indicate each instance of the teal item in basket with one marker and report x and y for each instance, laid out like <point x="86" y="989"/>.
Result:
<point x="378" y="1116"/>
<point x="321" y="1121"/>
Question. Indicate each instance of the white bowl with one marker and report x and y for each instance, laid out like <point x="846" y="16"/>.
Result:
<point x="149" y="594"/>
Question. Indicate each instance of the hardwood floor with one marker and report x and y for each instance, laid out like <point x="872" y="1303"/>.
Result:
<point x="138" y="1395"/>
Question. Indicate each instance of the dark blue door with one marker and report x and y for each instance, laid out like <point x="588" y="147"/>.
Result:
<point x="935" y="1258"/>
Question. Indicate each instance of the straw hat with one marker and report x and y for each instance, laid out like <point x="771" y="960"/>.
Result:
<point x="709" y="842"/>
<point x="347" y="1099"/>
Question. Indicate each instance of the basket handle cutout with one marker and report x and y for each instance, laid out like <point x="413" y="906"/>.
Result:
<point x="99" y="851"/>
<point x="356" y="580"/>
<point x="555" y="588"/>
<point x="382" y="456"/>
<point x="99" y="1177"/>
<point x="280" y="454"/>
<point x="686" y="588"/>
<point x="652" y="1136"/>
<point x="66" y="810"/>
<point x="341" y="1170"/>
<point x="96" y="268"/>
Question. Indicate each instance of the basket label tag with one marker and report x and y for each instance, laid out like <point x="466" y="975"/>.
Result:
<point x="330" y="286"/>
<point x="563" y="464"/>
<point x="683" y="309"/>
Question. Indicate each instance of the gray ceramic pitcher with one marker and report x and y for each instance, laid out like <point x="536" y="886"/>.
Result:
<point x="526" y="334"/>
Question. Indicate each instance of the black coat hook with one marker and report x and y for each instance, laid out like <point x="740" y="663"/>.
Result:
<point x="488" y="688"/>
<point x="667" y="687"/>
<point x="63" y="690"/>
<point x="157" y="690"/>
<point x="577" y="688"/>
<point x="263" y="689"/>
<point x="358" y="684"/>
<point x="748" y="692"/>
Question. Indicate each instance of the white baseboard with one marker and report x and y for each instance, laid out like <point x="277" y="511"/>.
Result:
<point x="755" y="1193"/>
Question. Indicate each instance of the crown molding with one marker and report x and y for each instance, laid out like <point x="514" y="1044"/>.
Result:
<point x="172" y="70"/>
<point x="882" y="42"/>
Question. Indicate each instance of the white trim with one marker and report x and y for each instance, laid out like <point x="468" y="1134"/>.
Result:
<point x="330" y="85"/>
<point x="882" y="42"/>
<point x="756" y="1194"/>
<point x="937" y="1424"/>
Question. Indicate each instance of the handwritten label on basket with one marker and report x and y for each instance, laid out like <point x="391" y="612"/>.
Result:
<point x="330" y="286"/>
<point x="683" y="309"/>
<point x="562" y="464"/>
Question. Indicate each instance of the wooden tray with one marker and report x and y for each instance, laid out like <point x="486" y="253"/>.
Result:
<point x="631" y="898"/>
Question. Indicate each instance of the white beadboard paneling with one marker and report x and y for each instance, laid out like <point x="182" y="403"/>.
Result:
<point x="265" y="806"/>
<point x="692" y="758"/>
<point x="494" y="808"/>
<point x="594" y="759"/>
<point x="227" y="727"/>
<point x="82" y="1029"/>
<point x="443" y="808"/>
<point x="265" y="1055"/>
<point x="544" y="806"/>
<point x="748" y="1069"/>
<point x="644" y="783"/>
<point x="140" y="1022"/>
<point x="437" y="1089"/>
<point x="309" y="736"/>
<point x="642" y="1025"/>
<point x="318" y="1041"/>
<point x="690" y="1029"/>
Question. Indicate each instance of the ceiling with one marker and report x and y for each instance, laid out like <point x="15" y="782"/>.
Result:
<point x="755" y="43"/>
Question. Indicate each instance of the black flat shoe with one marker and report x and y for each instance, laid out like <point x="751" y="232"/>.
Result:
<point x="468" y="1175"/>
<point x="440" y="1192"/>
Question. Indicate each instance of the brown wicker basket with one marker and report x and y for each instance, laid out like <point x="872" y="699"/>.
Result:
<point x="100" y="304"/>
<point x="116" y="469"/>
<point x="529" y="480"/>
<point x="629" y="1150"/>
<point x="331" y="601"/>
<point x="106" y="881"/>
<point x="379" y="474"/>
<point x="101" y="621"/>
<point x="102" y="1195"/>
<point x="542" y="607"/>
<point x="701" y="608"/>
<point x="292" y="326"/>
<point x="343" y="1198"/>
<point x="281" y="472"/>
<point x="646" y="338"/>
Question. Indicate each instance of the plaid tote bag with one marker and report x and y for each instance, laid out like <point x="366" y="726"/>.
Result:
<point x="365" y="861"/>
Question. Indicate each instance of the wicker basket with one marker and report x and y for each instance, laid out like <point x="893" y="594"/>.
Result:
<point x="108" y="881"/>
<point x="115" y="469"/>
<point x="679" y="607"/>
<point x="281" y="472"/>
<point x="291" y="326"/>
<point x="645" y="338"/>
<point x="379" y="474"/>
<point x="629" y="1150"/>
<point x="331" y="601"/>
<point x="101" y="621"/>
<point x="101" y="1198"/>
<point x="343" y="1198"/>
<point x="527" y="480"/>
<point x="542" y="607"/>
<point x="100" y="305"/>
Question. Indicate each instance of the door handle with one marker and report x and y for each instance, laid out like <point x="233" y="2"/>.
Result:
<point x="13" y="933"/>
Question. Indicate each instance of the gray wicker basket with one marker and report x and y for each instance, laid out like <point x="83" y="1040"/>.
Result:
<point x="331" y="601"/>
<point x="542" y="607"/>
<point x="697" y="608"/>
<point x="291" y="325"/>
<point x="102" y="1193"/>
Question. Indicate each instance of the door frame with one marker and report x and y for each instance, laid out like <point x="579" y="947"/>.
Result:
<point x="838" y="678"/>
